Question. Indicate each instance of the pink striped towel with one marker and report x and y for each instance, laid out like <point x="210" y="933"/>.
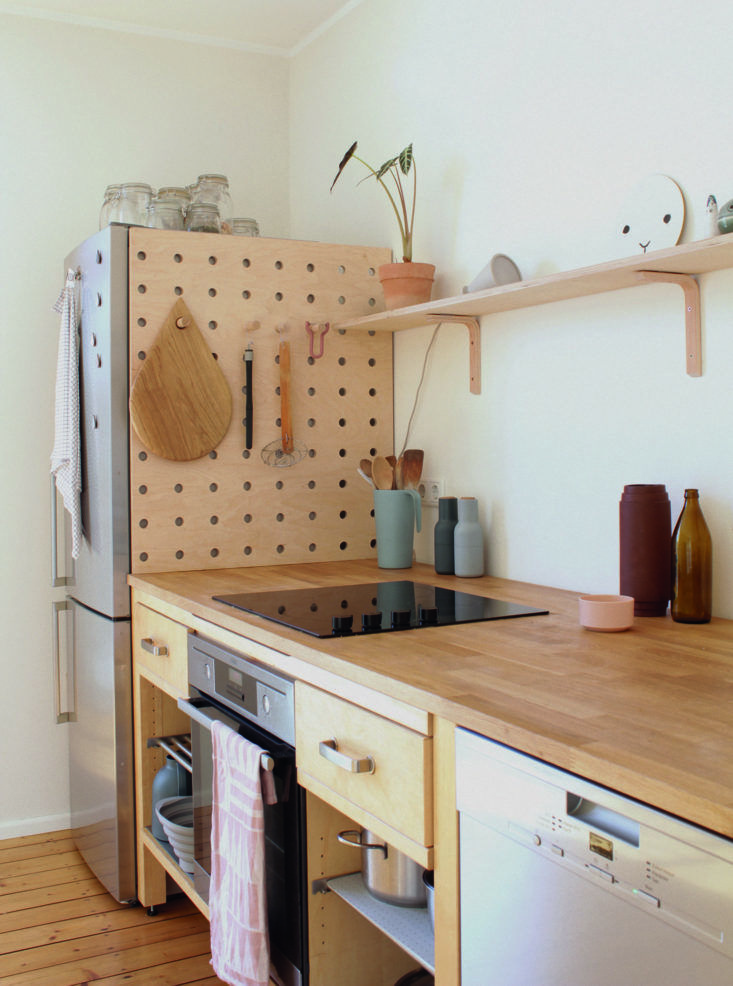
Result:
<point x="240" y="947"/>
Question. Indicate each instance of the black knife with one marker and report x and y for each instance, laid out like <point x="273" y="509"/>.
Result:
<point x="248" y="408"/>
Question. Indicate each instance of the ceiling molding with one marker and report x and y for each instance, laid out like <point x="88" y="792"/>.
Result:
<point x="122" y="27"/>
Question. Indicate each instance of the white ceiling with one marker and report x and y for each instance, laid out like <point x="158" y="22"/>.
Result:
<point x="278" y="26"/>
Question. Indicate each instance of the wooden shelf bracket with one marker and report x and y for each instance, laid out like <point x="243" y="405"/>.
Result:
<point x="474" y="341"/>
<point x="693" y="339"/>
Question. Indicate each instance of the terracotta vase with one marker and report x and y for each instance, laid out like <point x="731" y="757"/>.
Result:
<point x="406" y="284"/>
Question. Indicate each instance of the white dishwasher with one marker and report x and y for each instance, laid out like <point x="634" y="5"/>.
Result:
<point x="565" y="883"/>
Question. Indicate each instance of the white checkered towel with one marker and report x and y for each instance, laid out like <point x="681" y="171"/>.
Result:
<point x="66" y="455"/>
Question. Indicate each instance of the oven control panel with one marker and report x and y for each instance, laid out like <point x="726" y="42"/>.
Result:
<point x="248" y="688"/>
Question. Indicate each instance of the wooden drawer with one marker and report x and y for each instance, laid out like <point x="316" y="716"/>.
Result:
<point x="160" y="649"/>
<point x="396" y="787"/>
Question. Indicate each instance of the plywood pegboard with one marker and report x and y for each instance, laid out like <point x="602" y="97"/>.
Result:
<point x="230" y="509"/>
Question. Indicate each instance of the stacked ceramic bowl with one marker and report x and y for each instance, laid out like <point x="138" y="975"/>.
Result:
<point x="176" y="817"/>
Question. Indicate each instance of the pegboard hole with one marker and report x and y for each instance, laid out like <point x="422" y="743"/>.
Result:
<point x="246" y="453"/>
<point x="343" y="546"/>
<point x="247" y="486"/>
<point x="178" y="488"/>
<point x="278" y="265"/>
<point x="342" y="514"/>
<point x="343" y="453"/>
<point x="311" y="422"/>
<point x="372" y="422"/>
<point x="342" y="361"/>
<point x="248" y="550"/>
<point x="142" y="456"/>
<point x="310" y="268"/>
<point x="311" y="484"/>
<point x="310" y="298"/>
<point x="342" y="422"/>
<point x="142" y="489"/>
<point x="372" y="302"/>
<point x="312" y="515"/>
<point x="280" y="518"/>
<point x="213" y="487"/>
<point x="280" y="548"/>
<point x="246" y="295"/>
<point x="213" y="455"/>
<point x="212" y="292"/>
<point x="311" y="453"/>
<point x="143" y="556"/>
<point x="141" y="289"/>
<point x="177" y="257"/>
<point x="371" y="272"/>
<point x="372" y="452"/>
<point x="214" y="552"/>
<point x="179" y="522"/>
<point x="372" y="362"/>
<point x="279" y="484"/>
<point x="311" y="547"/>
<point x="311" y="391"/>
<point x="278" y="296"/>
<point x="142" y="322"/>
<point x="372" y="392"/>
<point x="141" y="255"/>
<point x="373" y="543"/>
<point x="342" y="483"/>
<point x="179" y="554"/>
<point x="341" y="300"/>
<point x="342" y="391"/>
<point x="178" y="290"/>
<point x="247" y="518"/>
<point x="213" y="325"/>
<point x="143" y="522"/>
<point x="142" y="354"/>
<point x="213" y="519"/>
<point x="212" y="260"/>
<point x="341" y="269"/>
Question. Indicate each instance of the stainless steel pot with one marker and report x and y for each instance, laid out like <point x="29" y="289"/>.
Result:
<point x="389" y="875"/>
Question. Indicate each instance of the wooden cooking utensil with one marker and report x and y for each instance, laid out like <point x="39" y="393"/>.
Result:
<point x="366" y="467"/>
<point x="286" y="451"/>
<point x="382" y="473"/>
<point x="412" y="461"/>
<point x="180" y="402"/>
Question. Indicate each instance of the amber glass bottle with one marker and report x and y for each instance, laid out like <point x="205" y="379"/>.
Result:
<point x="692" y="564"/>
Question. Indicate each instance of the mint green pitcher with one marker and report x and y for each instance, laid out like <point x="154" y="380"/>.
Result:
<point x="397" y="513"/>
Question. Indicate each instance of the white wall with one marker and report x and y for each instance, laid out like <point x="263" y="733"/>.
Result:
<point x="82" y="108"/>
<point x="530" y="126"/>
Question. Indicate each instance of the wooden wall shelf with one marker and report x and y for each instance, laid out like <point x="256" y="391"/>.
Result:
<point x="679" y="265"/>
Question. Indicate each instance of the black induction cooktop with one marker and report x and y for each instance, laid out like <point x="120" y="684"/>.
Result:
<point x="373" y="607"/>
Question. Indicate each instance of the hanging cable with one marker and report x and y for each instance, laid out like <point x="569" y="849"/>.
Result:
<point x="419" y="388"/>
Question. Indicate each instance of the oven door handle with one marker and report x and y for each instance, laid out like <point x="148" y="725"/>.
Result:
<point x="194" y="711"/>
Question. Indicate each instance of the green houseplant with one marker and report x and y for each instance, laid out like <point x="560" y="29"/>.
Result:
<point x="405" y="283"/>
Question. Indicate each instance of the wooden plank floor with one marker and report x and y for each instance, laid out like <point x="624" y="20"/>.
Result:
<point x="60" y="927"/>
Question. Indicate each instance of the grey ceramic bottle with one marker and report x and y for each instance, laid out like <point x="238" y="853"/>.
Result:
<point x="468" y="540"/>
<point x="443" y="535"/>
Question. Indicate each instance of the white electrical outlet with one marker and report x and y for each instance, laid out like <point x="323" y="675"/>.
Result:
<point x="430" y="491"/>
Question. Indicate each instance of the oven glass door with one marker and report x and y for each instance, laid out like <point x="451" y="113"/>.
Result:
<point x="285" y="849"/>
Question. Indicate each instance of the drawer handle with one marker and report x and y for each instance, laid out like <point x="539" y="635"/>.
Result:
<point x="329" y="750"/>
<point x="148" y="644"/>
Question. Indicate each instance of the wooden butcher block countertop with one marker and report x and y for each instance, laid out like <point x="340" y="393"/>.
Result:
<point x="647" y="712"/>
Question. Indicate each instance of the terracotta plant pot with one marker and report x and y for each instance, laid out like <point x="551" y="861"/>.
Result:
<point x="406" y="284"/>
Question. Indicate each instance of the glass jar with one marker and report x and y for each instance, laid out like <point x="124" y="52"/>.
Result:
<point x="203" y="217"/>
<point x="110" y="194"/>
<point x="165" y="214"/>
<point x="131" y="205"/>
<point x="214" y="189"/>
<point x="245" y="227"/>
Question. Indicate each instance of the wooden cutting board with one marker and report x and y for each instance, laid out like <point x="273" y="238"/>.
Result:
<point x="180" y="402"/>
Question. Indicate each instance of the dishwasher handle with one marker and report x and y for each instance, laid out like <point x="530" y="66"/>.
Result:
<point x="194" y="710"/>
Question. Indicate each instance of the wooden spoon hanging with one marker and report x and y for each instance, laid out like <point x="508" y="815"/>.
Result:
<point x="180" y="402"/>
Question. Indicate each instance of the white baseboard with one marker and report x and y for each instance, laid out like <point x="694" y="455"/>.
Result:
<point x="34" y="826"/>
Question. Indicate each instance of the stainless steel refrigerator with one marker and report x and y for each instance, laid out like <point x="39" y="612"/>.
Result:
<point x="97" y="605"/>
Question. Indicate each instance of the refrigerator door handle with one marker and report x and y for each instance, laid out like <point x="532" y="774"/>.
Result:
<point x="56" y="579"/>
<point x="70" y="715"/>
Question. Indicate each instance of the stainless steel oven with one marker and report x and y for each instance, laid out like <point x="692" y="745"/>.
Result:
<point x="258" y="704"/>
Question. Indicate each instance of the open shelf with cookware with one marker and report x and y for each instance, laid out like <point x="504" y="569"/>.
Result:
<point x="678" y="265"/>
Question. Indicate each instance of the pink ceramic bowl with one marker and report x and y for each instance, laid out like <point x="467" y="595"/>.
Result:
<point x="607" y="614"/>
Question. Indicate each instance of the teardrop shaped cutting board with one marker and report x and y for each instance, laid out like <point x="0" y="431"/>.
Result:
<point x="180" y="402"/>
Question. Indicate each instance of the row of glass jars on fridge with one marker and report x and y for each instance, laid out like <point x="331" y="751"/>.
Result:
<point x="205" y="207"/>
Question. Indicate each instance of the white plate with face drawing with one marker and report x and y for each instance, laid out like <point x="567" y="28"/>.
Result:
<point x="652" y="216"/>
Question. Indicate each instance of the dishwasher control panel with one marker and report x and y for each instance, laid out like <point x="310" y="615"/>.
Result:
<point x="677" y="871"/>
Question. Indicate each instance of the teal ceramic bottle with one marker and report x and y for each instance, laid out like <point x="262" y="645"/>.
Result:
<point x="468" y="540"/>
<point x="443" y="535"/>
